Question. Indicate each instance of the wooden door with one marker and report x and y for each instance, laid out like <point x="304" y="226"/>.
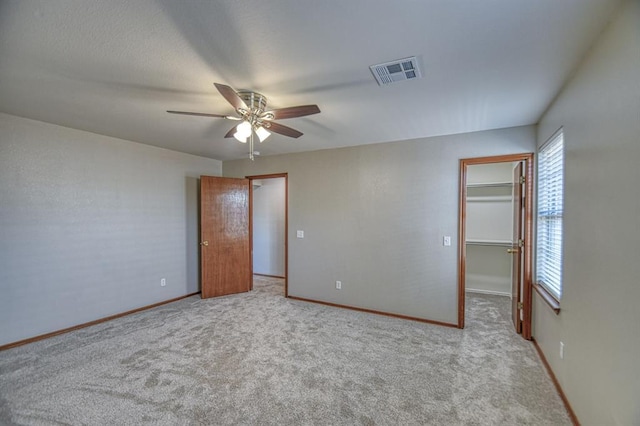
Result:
<point x="516" y="249"/>
<point x="224" y="236"/>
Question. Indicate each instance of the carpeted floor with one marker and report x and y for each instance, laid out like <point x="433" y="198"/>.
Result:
<point x="258" y="358"/>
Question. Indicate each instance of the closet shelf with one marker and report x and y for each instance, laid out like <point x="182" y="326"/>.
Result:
<point x="492" y="198"/>
<point x="489" y="184"/>
<point x="500" y="243"/>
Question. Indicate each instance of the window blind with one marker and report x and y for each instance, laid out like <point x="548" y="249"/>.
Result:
<point x="550" y="213"/>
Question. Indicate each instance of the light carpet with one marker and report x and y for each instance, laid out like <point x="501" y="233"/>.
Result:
<point x="260" y="359"/>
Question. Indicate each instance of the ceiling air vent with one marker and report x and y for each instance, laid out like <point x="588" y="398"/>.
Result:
<point x="398" y="70"/>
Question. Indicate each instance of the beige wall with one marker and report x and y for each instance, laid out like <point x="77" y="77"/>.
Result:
<point x="374" y="217"/>
<point x="90" y="224"/>
<point x="599" y="318"/>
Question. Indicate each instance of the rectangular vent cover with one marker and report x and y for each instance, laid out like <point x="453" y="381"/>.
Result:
<point x="394" y="71"/>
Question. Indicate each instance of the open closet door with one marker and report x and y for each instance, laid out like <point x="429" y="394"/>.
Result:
<point x="516" y="249"/>
<point x="224" y="236"/>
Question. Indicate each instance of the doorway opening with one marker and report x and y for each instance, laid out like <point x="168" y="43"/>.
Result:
<point x="268" y="229"/>
<point x="495" y="233"/>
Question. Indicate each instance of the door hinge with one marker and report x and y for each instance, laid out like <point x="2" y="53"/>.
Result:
<point x="522" y="180"/>
<point x="520" y="306"/>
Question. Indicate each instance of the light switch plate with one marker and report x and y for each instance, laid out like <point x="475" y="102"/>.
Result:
<point x="300" y="234"/>
<point x="446" y="240"/>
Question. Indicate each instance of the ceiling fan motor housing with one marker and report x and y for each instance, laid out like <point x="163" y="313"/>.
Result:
<point x="257" y="104"/>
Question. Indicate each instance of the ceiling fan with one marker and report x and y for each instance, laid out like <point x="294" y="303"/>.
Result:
<point x="254" y="116"/>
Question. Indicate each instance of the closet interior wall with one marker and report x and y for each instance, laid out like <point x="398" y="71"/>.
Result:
<point x="268" y="226"/>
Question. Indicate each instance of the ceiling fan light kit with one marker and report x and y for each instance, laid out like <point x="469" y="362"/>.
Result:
<point x="262" y="133"/>
<point x="255" y="117"/>
<point x="243" y="131"/>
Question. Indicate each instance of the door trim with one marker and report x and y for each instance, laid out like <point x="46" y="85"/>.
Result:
<point x="527" y="158"/>
<point x="286" y="223"/>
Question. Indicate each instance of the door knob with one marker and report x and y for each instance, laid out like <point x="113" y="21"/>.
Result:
<point x="204" y="243"/>
<point x="513" y="250"/>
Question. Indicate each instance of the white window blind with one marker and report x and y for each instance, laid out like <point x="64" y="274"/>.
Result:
<point x="550" y="212"/>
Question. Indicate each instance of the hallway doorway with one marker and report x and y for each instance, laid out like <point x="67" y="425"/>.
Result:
<point x="268" y="229"/>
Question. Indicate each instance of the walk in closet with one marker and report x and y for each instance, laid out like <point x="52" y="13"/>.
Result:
<point x="489" y="228"/>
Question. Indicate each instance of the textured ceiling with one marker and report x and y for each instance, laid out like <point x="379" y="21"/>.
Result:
<point x="114" y="67"/>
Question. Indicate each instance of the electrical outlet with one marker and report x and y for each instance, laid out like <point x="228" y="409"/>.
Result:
<point x="446" y="240"/>
<point x="338" y="285"/>
<point x="163" y="282"/>
<point x="561" y="350"/>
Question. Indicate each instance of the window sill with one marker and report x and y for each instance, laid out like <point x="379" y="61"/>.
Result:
<point x="548" y="298"/>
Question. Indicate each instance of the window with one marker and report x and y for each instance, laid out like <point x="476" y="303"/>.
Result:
<point x="550" y="212"/>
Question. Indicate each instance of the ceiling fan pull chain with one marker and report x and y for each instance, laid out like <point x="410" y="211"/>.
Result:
<point x="251" y="146"/>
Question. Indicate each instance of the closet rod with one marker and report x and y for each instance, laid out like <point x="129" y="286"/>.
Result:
<point x="497" y="243"/>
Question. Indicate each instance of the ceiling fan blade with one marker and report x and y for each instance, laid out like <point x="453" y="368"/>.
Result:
<point x="231" y="96"/>
<point x="296" y="111"/>
<point x="201" y="114"/>
<point x="283" y="130"/>
<point x="231" y="132"/>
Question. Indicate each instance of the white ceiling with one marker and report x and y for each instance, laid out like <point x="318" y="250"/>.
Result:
<point x="114" y="67"/>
